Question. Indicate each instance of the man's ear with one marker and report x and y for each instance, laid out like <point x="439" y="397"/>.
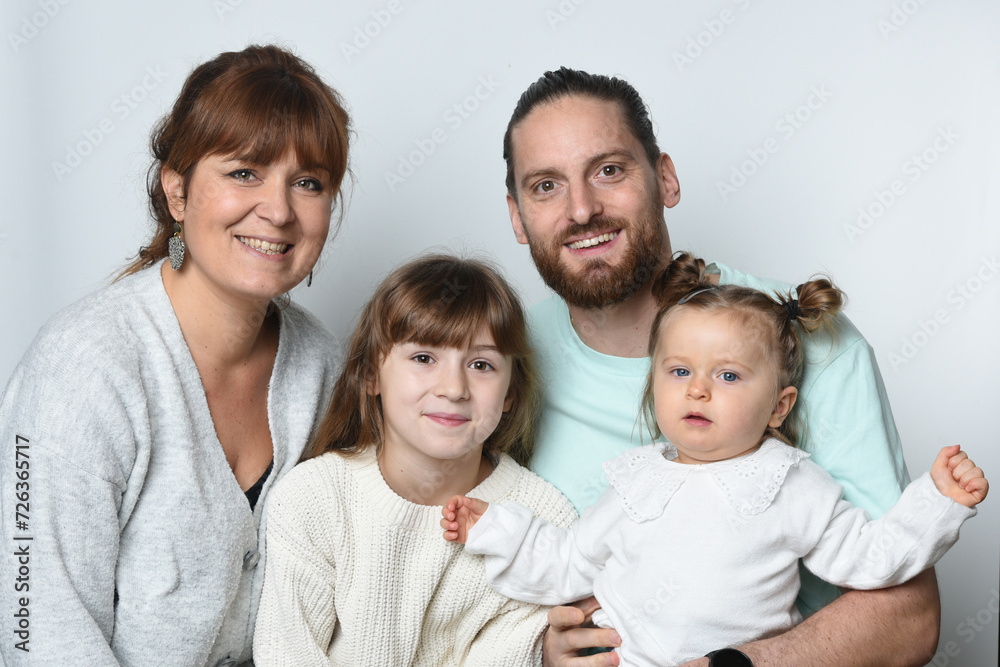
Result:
<point x="784" y="404"/>
<point x="173" y="187"/>
<point x="666" y="175"/>
<point x="515" y="220"/>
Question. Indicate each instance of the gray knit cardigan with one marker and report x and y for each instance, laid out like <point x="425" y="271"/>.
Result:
<point x="134" y="544"/>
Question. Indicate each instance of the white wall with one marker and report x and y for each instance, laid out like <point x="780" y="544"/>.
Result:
<point x="900" y="80"/>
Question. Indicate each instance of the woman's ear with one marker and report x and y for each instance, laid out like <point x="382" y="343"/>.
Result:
<point x="784" y="404"/>
<point x="173" y="188"/>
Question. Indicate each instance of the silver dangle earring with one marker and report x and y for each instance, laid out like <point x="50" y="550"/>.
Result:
<point x="175" y="247"/>
<point x="309" y="282"/>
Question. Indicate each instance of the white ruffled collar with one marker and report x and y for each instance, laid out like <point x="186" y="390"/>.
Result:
<point x="647" y="477"/>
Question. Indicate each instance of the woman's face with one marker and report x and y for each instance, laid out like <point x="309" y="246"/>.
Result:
<point x="251" y="231"/>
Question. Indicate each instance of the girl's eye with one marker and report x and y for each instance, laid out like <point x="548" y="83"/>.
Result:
<point x="422" y="358"/>
<point x="729" y="376"/>
<point x="481" y="365"/>
<point x="681" y="372"/>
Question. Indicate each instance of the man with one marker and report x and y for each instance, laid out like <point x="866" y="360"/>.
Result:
<point x="587" y="185"/>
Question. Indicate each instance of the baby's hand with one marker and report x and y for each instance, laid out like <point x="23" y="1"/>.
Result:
<point x="460" y="514"/>
<point x="957" y="477"/>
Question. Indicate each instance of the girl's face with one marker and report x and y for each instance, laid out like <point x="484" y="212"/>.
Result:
<point x="713" y="388"/>
<point x="252" y="231"/>
<point x="442" y="403"/>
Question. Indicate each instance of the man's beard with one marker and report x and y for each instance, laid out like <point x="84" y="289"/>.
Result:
<point x="598" y="284"/>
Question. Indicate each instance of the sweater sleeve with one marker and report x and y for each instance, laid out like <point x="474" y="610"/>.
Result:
<point x="65" y="440"/>
<point x="857" y="552"/>
<point x="532" y="560"/>
<point x="296" y="617"/>
<point x="513" y="638"/>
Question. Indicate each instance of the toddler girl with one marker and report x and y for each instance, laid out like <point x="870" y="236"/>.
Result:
<point x="437" y="397"/>
<point x="695" y="545"/>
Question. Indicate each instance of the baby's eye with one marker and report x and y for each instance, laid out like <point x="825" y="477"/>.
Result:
<point x="729" y="376"/>
<point x="481" y="365"/>
<point x="681" y="372"/>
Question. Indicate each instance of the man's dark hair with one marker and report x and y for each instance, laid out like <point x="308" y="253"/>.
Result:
<point x="566" y="82"/>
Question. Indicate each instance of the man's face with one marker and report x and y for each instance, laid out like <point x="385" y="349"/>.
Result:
<point x="589" y="205"/>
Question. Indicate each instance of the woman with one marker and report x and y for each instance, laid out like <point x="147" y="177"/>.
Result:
<point x="147" y="422"/>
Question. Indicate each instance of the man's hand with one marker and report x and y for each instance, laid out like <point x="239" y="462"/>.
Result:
<point x="565" y="638"/>
<point x="459" y="515"/>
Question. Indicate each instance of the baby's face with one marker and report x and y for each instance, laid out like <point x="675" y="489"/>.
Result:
<point x="714" y="390"/>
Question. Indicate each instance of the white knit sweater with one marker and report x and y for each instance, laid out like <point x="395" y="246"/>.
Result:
<point x="356" y="575"/>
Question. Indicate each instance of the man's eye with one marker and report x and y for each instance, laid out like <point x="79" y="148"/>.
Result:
<point x="610" y="170"/>
<point x="546" y="186"/>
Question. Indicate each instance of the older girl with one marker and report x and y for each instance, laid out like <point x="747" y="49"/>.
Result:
<point x="437" y="397"/>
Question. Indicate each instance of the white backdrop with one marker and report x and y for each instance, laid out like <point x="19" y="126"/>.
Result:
<point x="855" y="137"/>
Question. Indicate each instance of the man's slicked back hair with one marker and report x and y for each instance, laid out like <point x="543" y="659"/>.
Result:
<point x="566" y="82"/>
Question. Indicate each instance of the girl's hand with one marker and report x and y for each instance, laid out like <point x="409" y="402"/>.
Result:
<point x="957" y="477"/>
<point x="460" y="514"/>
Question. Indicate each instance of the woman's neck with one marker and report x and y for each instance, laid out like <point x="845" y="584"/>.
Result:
<point x="222" y="332"/>
<point x="428" y="481"/>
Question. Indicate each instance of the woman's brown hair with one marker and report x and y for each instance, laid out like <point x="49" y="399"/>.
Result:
<point x="255" y="104"/>
<point x="776" y="320"/>
<point x="436" y="300"/>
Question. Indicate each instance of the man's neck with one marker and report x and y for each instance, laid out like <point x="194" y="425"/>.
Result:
<point x="621" y="330"/>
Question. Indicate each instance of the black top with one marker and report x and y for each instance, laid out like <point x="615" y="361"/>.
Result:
<point x="253" y="493"/>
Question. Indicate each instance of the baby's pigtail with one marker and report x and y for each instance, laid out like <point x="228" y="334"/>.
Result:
<point x="682" y="276"/>
<point x="818" y="303"/>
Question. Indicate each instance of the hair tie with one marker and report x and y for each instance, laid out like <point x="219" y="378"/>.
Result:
<point x="792" y="308"/>
<point x="690" y="295"/>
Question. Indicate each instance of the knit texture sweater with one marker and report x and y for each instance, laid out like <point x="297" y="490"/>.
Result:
<point x="357" y="575"/>
<point x="142" y="547"/>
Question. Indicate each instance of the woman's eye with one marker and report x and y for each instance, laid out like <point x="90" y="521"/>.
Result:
<point x="242" y="174"/>
<point x="729" y="376"/>
<point x="681" y="372"/>
<point x="482" y="365"/>
<point x="310" y="184"/>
